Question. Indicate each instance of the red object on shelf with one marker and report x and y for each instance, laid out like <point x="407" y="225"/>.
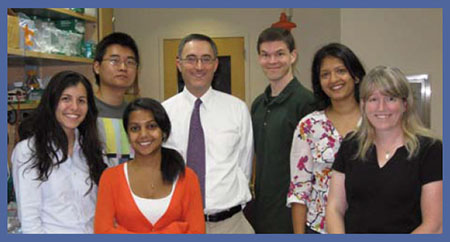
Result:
<point x="284" y="23"/>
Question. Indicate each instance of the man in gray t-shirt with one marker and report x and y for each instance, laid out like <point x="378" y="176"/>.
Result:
<point x="115" y="67"/>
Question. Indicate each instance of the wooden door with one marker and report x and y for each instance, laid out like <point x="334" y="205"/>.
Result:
<point x="105" y="22"/>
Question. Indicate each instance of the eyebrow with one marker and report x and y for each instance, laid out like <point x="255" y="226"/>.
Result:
<point x="118" y="56"/>
<point x="67" y="94"/>
<point x="192" y="55"/>
<point x="276" y="51"/>
<point x="145" y="121"/>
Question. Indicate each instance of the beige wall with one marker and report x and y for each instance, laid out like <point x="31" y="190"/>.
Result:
<point x="150" y="26"/>
<point x="410" y="39"/>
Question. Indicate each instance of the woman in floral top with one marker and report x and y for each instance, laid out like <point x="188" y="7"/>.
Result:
<point x="336" y="75"/>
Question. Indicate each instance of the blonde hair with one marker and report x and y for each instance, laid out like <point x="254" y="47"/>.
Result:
<point x="392" y="82"/>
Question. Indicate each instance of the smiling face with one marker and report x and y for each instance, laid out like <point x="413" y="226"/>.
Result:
<point x="72" y="108"/>
<point x="276" y="60"/>
<point x="335" y="79"/>
<point x="197" y="76"/>
<point x="384" y="112"/>
<point x="144" y="133"/>
<point x="113" y="70"/>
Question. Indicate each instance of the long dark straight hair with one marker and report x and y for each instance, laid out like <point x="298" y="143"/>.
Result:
<point x="172" y="163"/>
<point x="49" y="136"/>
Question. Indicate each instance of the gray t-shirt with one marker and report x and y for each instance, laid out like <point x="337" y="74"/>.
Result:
<point x="112" y="133"/>
<point x="109" y="111"/>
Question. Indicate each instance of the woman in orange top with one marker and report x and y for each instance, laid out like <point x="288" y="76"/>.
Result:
<point x="155" y="192"/>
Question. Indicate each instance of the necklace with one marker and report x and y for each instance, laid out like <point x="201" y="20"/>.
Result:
<point x="386" y="156"/>
<point x="153" y="180"/>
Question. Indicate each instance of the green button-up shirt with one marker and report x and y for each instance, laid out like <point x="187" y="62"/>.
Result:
<point x="274" y="121"/>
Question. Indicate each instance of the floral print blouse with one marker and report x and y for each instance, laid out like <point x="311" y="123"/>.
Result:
<point x="314" y="147"/>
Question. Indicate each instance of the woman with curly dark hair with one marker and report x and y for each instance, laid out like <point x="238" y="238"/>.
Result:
<point x="58" y="163"/>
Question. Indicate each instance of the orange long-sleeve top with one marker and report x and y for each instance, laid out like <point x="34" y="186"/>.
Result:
<point x="117" y="213"/>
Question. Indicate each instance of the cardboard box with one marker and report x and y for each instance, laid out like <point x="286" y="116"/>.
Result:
<point x="13" y="32"/>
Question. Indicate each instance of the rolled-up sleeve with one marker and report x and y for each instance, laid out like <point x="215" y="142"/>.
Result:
<point x="246" y="143"/>
<point x="301" y="164"/>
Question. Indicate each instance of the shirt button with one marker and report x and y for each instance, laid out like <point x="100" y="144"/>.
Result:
<point x="265" y="124"/>
<point x="268" y="111"/>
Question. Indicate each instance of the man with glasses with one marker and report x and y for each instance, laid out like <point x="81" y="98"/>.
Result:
<point x="212" y="130"/>
<point x="115" y="67"/>
<point x="275" y="114"/>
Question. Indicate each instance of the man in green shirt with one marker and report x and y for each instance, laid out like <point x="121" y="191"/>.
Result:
<point x="275" y="115"/>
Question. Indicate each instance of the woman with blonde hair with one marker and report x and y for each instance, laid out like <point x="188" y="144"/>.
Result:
<point x="387" y="176"/>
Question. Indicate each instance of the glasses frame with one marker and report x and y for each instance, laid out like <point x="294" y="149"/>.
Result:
<point x="112" y="62"/>
<point x="201" y="59"/>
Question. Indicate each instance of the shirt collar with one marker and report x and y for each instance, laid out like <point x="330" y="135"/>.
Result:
<point x="206" y="98"/>
<point x="287" y="91"/>
<point x="76" y="147"/>
<point x="76" y="144"/>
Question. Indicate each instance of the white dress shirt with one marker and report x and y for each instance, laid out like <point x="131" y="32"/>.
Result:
<point x="228" y="133"/>
<point x="60" y="204"/>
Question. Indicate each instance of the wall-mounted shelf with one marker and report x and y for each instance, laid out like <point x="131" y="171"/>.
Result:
<point x="19" y="56"/>
<point x="55" y="13"/>
<point x="22" y="106"/>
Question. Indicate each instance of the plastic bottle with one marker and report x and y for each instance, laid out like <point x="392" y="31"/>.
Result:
<point x="32" y="81"/>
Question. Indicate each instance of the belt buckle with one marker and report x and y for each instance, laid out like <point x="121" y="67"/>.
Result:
<point x="212" y="217"/>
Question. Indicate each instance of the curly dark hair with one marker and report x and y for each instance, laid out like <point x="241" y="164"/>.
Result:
<point x="50" y="137"/>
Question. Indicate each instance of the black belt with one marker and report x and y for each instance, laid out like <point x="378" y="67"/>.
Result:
<point x="223" y="215"/>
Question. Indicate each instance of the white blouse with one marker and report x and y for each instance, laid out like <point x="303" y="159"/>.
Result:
<point x="60" y="204"/>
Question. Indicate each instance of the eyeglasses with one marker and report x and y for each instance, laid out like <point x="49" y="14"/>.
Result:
<point x="193" y="60"/>
<point x="116" y="62"/>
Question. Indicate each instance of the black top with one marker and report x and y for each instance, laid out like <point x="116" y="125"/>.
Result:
<point x="387" y="199"/>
